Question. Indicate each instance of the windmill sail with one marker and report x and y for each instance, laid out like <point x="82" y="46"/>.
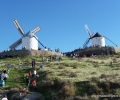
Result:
<point x="111" y="41"/>
<point x="39" y="41"/>
<point x="35" y="30"/>
<point x="86" y="42"/>
<point x="16" y="44"/>
<point x="18" y="27"/>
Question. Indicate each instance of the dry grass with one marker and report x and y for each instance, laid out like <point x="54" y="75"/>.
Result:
<point x="97" y="69"/>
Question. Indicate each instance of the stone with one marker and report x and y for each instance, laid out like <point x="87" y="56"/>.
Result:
<point x="31" y="96"/>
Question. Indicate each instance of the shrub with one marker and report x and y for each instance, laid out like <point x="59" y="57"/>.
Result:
<point x="98" y="90"/>
<point x="61" y="67"/>
<point x="95" y="79"/>
<point x="63" y="73"/>
<point x="103" y="76"/>
<point x="75" y="67"/>
<point x="14" y="90"/>
<point x="48" y="77"/>
<point x="68" y="91"/>
<point x="96" y="65"/>
<point x="28" y="61"/>
<point x="102" y="62"/>
<point x="17" y="77"/>
<point x="73" y="74"/>
<point x="45" y="84"/>
<point x="93" y="73"/>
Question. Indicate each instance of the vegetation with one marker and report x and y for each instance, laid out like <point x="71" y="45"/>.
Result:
<point x="69" y="79"/>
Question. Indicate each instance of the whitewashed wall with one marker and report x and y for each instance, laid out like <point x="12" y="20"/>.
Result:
<point x="30" y="43"/>
<point x="98" y="41"/>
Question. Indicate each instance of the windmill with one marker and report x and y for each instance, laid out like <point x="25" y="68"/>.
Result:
<point x="96" y="38"/>
<point x="28" y="40"/>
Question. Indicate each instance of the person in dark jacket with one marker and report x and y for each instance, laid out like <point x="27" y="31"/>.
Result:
<point x="27" y="81"/>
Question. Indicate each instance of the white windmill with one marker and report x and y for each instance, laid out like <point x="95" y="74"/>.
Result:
<point x="97" y="39"/>
<point x="29" y="40"/>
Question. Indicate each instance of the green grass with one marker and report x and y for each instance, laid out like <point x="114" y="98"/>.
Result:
<point x="78" y="71"/>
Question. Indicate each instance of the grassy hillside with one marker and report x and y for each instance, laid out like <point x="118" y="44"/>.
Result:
<point x="86" y="77"/>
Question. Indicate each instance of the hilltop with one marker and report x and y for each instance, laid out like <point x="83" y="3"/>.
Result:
<point x="70" y="79"/>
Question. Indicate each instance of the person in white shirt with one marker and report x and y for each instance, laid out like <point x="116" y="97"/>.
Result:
<point x="34" y="72"/>
<point x="5" y="77"/>
<point x="4" y="98"/>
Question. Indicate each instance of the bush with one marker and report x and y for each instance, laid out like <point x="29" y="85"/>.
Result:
<point x="103" y="76"/>
<point x="63" y="73"/>
<point x="73" y="74"/>
<point x="61" y="67"/>
<point x="75" y="67"/>
<point x="96" y="65"/>
<point x="95" y="79"/>
<point x="68" y="91"/>
<point x="98" y="90"/>
<point x="14" y="90"/>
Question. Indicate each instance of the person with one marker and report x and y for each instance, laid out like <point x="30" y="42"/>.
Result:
<point x="2" y="83"/>
<point x="41" y="66"/>
<point x="0" y="76"/>
<point x="5" y="77"/>
<point x="4" y="98"/>
<point x="46" y="59"/>
<point x="34" y="84"/>
<point x="30" y="74"/>
<point x="33" y="63"/>
<point x="59" y="58"/>
<point x="34" y="73"/>
<point x="27" y="81"/>
<point x="23" y="92"/>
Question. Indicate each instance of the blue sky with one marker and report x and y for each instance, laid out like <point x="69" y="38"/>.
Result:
<point x="61" y="21"/>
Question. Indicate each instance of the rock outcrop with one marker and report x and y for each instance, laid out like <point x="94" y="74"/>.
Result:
<point x="30" y="96"/>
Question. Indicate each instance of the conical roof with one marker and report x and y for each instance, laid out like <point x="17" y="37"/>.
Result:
<point x="97" y="35"/>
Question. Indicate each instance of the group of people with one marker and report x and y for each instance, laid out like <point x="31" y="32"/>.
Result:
<point x="3" y="77"/>
<point x="30" y="80"/>
<point x="51" y="58"/>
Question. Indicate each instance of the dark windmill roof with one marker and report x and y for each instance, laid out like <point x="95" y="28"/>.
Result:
<point x="97" y="35"/>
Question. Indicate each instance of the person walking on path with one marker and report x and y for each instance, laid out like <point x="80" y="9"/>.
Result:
<point x="34" y="73"/>
<point x="4" y="98"/>
<point x="5" y="77"/>
<point x="33" y="63"/>
<point x="27" y="81"/>
<point x="23" y="91"/>
<point x="34" y="84"/>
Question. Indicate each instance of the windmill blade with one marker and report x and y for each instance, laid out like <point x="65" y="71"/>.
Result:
<point x="86" y="42"/>
<point x="18" y="27"/>
<point x="15" y="44"/>
<point x="35" y="30"/>
<point x="39" y="41"/>
<point x="87" y="29"/>
<point x="111" y="41"/>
